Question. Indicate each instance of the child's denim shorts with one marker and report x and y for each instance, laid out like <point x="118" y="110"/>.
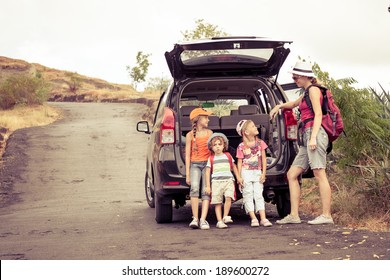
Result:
<point x="197" y="172"/>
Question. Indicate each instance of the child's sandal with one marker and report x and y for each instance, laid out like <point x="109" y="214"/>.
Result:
<point x="265" y="223"/>
<point x="255" y="223"/>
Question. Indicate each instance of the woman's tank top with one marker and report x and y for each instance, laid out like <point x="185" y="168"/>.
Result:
<point x="307" y="113"/>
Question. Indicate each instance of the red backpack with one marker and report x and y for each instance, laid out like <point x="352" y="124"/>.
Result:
<point x="332" y="121"/>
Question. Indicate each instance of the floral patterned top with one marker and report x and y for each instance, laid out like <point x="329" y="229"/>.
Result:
<point x="251" y="156"/>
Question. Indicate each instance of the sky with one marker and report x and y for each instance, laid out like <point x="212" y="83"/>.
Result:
<point x="99" y="38"/>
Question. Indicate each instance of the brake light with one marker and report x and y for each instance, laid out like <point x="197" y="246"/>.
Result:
<point x="167" y="130"/>
<point x="173" y="183"/>
<point x="291" y="124"/>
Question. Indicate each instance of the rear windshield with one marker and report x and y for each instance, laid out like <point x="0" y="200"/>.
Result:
<point x="191" y="57"/>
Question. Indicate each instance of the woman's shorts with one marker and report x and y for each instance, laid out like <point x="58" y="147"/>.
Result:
<point x="316" y="159"/>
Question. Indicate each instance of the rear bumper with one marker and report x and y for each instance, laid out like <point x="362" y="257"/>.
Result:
<point x="168" y="193"/>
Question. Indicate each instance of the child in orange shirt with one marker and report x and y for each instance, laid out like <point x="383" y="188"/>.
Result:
<point x="197" y="154"/>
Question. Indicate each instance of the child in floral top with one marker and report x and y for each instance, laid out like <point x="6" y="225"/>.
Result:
<point x="252" y="165"/>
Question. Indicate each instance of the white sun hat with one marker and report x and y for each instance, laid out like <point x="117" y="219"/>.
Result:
<point x="303" y="68"/>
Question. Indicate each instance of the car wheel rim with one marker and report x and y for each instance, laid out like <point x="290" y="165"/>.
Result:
<point x="148" y="190"/>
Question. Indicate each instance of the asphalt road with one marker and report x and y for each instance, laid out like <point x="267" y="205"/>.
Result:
<point x="74" y="190"/>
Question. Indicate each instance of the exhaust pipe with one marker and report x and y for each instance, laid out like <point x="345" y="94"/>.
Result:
<point x="270" y="194"/>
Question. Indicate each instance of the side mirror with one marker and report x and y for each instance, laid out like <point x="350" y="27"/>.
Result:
<point x="143" y="126"/>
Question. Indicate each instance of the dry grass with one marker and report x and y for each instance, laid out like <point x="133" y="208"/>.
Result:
<point x="125" y="92"/>
<point x="349" y="208"/>
<point x="22" y="117"/>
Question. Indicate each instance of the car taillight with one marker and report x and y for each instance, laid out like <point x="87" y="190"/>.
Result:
<point x="174" y="183"/>
<point x="291" y="124"/>
<point x="167" y="131"/>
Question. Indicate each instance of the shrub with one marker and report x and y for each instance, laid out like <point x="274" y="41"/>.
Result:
<point x="362" y="178"/>
<point x="366" y="120"/>
<point x="22" y="89"/>
<point x="75" y="82"/>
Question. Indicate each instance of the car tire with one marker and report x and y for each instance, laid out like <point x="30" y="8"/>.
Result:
<point x="163" y="209"/>
<point x="283" y="203"/>
<point x="149" y="191"/>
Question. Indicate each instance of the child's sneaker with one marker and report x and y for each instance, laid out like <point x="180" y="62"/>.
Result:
<point x="227" y="220"/>
<point x="204" y="224"/>
<point x="194" y="224"/>
<point x="221" y="224"/>
<point x="321" y="220"/>
<point x="255" y="223"/>
<point x="289" y="220"/>
<point x="265" y="223"/>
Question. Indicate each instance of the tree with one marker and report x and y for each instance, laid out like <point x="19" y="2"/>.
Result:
<point x="365" y="119"/>
<point x="158" y="84"/>
<point x="203" y="30"/>
<point x="138" y="73"/>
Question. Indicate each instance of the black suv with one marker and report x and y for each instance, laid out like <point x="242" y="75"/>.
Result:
<point x="235" y="78"/>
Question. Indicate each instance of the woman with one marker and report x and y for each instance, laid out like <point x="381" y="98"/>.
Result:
<point x="313" y="151"/>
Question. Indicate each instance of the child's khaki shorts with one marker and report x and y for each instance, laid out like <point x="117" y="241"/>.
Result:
<point x="221" y="188"/>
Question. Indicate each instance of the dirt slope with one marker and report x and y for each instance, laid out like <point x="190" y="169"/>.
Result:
<point x="61" y="82"/>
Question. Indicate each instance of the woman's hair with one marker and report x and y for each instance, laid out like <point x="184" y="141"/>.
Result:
<point x="225" y="147"/>
<point x="315" y="81"/>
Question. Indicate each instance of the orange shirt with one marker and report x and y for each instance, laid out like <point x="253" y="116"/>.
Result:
<point x="203" y="152"/>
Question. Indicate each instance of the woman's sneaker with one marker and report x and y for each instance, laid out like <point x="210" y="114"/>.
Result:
<point x="204" y="224"/>
<point x="289" y="220"/>
<point x="221" y="224"/>
<point x="194" y="224"/>
<point x="227" y="220"/>
<point x="322" y="219"/>
<point x="265" y="223"/>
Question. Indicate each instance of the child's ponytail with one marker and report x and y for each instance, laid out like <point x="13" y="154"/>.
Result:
<point x="194" y="123"/>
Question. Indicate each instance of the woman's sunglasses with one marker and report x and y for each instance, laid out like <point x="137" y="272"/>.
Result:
<point x="296" y="78"/>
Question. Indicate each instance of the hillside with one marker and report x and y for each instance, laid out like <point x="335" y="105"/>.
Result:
<point x="85" y="89"/>
<point x="69" y="86"/>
